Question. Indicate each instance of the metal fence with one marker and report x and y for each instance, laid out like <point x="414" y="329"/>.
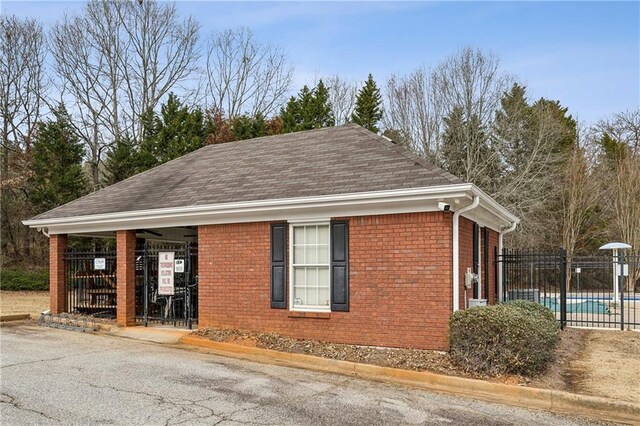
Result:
<point x="179" y="308"/>
<point x="583" y="291"/>
<point x="91" y="282"/>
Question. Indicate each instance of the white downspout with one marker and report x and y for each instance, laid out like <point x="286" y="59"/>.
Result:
<point x="456" y="250"/>
<point x="44" y="232"/>
<point x="500" y="236"/>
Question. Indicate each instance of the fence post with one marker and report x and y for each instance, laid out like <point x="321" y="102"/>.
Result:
<point x="621" y="288"/>
<point x="563" y="288"/>
<point x="146" y="284"/>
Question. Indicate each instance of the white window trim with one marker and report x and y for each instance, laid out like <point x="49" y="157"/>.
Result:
<point x="291" y="276"/>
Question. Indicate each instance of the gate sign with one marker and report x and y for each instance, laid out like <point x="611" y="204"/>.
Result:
<point x="179" y="266"/>
<point x="165" y="273"/>
<point x="99" y="263"/>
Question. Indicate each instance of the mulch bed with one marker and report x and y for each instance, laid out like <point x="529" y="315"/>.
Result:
<point x="408" y="359"/>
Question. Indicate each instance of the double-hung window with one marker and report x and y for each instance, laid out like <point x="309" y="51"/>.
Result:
<point x="310" y="267"/>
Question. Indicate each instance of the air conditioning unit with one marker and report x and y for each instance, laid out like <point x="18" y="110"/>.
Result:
<point x="530" y="294"/>
<point x="477" y="302"/>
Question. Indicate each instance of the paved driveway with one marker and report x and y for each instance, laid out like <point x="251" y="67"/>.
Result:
<point x="53" y="376"/>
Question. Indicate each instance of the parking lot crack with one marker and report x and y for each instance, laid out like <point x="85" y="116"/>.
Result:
<point x="10" y="400"/>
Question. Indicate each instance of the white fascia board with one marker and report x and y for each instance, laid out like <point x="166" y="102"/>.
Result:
<point x="355" y="204"/>
<point x="303" y="208"/>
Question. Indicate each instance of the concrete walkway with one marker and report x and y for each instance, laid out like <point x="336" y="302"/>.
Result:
<point x="157" y="334"/>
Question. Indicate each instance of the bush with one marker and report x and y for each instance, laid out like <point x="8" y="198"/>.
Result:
<point x="514" y="338"/>
<point x="18" y="279"/>
<point x="534" y="308"/>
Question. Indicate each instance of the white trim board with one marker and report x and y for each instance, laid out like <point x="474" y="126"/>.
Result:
<point x="410" y="200"/>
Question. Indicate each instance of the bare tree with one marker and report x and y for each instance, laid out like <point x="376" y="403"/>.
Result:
<point x="244" y="76"/>
<point x="412" y="110"/>
<point x="22" y="81"/>
<point x="116" y="61"/>
<point x="342" y="95"/>
<point x="88" y="51"/>
<point x="623" y="127"/>
<point x="162" y="54"/>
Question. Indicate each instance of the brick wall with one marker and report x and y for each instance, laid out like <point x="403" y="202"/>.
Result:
<point x="400" y="282"/>
<point x="57" y="280"/>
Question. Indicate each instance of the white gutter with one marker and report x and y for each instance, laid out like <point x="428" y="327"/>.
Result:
<point x="456" y="250"/>
<point x="500" y="237"/>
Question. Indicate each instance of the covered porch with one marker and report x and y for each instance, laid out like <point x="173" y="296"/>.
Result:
<point x="119" y="275"/>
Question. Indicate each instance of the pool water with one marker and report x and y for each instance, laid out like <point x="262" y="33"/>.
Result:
<point x="586" y="307"/>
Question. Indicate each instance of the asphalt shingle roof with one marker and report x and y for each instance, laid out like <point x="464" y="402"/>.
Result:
<point x="328" y="161"/>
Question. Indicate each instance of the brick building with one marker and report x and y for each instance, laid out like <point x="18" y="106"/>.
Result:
<point x="335" y="234"/>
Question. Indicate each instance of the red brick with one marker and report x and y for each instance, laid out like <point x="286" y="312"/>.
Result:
<point x="126" y="277"/>
<point x="400" y="282"/>
<point x="57" y="278"/>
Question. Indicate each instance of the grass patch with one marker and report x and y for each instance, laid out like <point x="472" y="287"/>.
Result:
<point x="24" y="280"/>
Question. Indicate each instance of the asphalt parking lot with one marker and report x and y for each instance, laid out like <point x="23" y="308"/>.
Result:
<point x="51" y="376"/>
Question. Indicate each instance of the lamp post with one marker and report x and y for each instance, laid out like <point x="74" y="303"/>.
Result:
<point x="616" y="261"/>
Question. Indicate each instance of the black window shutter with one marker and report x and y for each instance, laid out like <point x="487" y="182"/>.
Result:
<point x="340" y="265"/>
<point x="278" y="265"/>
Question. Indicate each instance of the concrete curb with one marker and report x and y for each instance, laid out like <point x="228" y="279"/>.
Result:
<point x="14" y="317"/>
<point x="534" y="398"/>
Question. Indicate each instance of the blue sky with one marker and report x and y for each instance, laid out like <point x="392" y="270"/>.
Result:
<point x="585" y="54"/>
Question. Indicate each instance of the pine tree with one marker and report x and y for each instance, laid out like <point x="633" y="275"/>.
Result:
<point x="368" y="110"/>
<point x="246" y="127"/>
<point x="57" y="176"/>
<point x="454" y="146"/>
<point x="177" y="131"/>
<point x="122" y="161"/>
<point x="311" y="109"/>
<point x="322" y="108"/>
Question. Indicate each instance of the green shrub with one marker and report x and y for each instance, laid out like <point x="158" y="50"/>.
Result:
<point x="18" y="279"/>
<point x="534" y="308"/>
<point x="514" y="338"/>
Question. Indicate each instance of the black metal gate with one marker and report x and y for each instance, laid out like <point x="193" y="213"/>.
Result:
<point x="178" y="309"/>
<point x="583" y="291"/>
<point x="90" y="282"/>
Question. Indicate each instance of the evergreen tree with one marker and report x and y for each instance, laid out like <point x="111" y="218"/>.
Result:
<point x="311" y="109"/>
<point x="290" y="115"/>
<point x="177" y="131"/>
<point x="56" y="168"/>
<point x="122" y="161"/>
<point x="454" y="145"/>
<point x="246" y="127"/>
<point x="368" y="110"/>
<point x="322" y="113"/>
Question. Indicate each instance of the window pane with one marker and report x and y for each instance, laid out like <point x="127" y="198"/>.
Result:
<point x="312" y="296"/>
<point x="323" y="296"/>
<point x="298" y="235"/>
<point x="298" y="279"/>
<point x="311" y="257"/>
<point x="310" y="234"/>
<point x="312" y="278"/>
<point x="323" y="254"/>
<point x="323" y="277"/>
<point x="298" y="255"/>
<point x="298" y="296"/>
<point x="323" y="234"/>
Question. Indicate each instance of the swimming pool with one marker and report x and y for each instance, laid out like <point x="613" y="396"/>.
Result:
<point x="583" y="306"/>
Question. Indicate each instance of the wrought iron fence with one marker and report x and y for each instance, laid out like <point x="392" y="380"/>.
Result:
<point x="583" y="291"/>
<point x="91" y="282"/>
<point x="179" y="308"/>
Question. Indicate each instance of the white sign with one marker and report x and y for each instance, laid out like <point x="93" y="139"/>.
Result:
<point x="99" y="263"/>
<point x="165" y="273"/>
<point x="578" y="270"/>
<point x="179" y="266"/>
